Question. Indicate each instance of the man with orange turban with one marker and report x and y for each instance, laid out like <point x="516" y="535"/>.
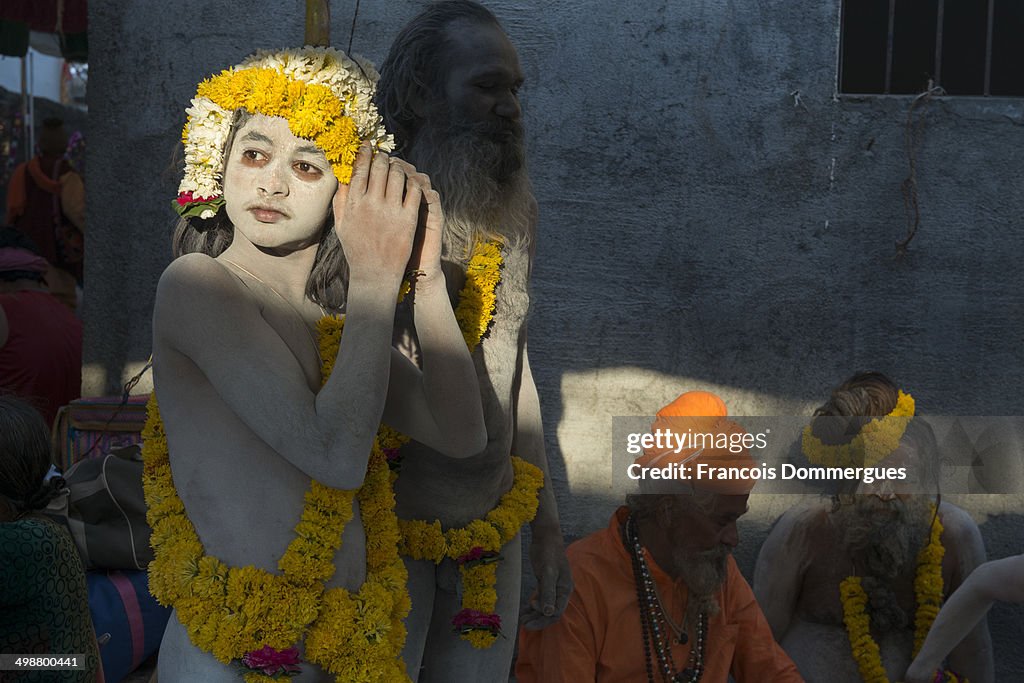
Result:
<point x="658" y="596"/>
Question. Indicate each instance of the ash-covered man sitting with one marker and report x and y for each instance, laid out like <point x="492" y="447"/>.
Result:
<point x="851" y="585"/>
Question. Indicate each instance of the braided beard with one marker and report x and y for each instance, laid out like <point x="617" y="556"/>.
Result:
<point x="479" y="169"/>
<point x="885" y="536"/>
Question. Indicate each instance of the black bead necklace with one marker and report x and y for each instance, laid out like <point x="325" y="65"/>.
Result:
<point x="655" y="626"/>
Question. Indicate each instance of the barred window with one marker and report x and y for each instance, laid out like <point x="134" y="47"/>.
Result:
<point x="967" y="47"/>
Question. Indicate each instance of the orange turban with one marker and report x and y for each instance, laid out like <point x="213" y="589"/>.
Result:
<point x="695" y="430"/>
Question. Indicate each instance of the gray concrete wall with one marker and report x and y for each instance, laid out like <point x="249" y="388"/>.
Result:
<point x="712" y="216"/>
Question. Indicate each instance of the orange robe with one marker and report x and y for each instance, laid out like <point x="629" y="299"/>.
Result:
<point x="598" y="637"/>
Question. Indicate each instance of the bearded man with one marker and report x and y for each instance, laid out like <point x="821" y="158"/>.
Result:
<point x="658" y="595"/>
<point x="448" y="92"/>
<point x="865" y="567"/>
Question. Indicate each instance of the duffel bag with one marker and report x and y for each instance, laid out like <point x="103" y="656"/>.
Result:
<point x="105" y="511"/>
<point x="129" y="622"/>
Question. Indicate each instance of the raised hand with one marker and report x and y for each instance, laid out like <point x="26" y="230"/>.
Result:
<point x="376" y="215"/>
<point x="426" y="252"/>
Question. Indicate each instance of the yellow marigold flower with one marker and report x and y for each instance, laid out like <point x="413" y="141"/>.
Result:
<point x="228" y="643"/>
<point x="267" y="92"/>
<point x="480" y="639"/>
<point x="875" y="441"/>
<point x="928" y="591"/>
<point x="308" y="123"/>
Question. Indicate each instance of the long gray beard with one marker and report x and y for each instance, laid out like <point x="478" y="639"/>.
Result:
<point x="480" y="173"/>
<point x="885" y="544"/>
<point x="703" y="573"/>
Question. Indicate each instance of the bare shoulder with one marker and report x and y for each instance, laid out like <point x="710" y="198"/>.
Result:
<point x="802" y="523"/>
<point x="961" y="538"/>
<point x="192" y="271"/>
<point x="196" y="290"/>
<point x="958" y="528"/>
<point x="792" y="540"/>
<point x="195" y="279"/>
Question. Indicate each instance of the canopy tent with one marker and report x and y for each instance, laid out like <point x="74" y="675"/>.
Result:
<point x="65" y="18"/>
<point x="53" y="27"/>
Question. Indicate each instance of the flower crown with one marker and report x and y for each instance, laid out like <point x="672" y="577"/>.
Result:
<point x="875" y="441"/>
<point x="326" y="98"/>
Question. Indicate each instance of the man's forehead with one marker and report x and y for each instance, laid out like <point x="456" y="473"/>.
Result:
<point x="725" y="504"/>
<point x="480" y="48"/>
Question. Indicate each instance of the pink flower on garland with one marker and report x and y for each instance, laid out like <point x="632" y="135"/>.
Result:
<point x="271" y="662"/>
<point x="474" y="620"/>
<point x="186" y="198"/>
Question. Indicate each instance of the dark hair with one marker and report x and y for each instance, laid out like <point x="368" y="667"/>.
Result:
<point x="326" y="282"/>
<point x="412" y="70"/>
<point x="864" y="396"/>
<point x="25" y="456"/>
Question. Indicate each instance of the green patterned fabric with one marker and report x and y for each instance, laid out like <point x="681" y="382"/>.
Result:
<point x="44" y="602"/>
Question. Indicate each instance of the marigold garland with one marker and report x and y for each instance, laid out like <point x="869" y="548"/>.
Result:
<point x="477" y="299"/>
<point x="928" y="594"/>
<point x="325" y="96"/>
<point x="482" y="539"/>
<point x="875" y="441"/>
<point x="423" y="540"/>
<point x="232" y="611"/>
<point x="426" y="540"/>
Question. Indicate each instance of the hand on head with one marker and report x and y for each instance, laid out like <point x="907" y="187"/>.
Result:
<point x="426" y="249"/>
<point x="426" y="252"/>
<point x="388" y="218"/>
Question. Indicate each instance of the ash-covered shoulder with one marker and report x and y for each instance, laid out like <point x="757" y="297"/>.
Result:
<point x="959" y="530"/>
<point x="194" y="278"/>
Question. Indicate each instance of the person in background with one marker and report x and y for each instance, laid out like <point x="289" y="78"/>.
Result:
<point x="46" y="201"/>
<point x="44" y="602"/>
<point x="658" y="595"/>
<point x="849" y="585"/>
<point x="1001" y="580"/>
<point x="449" y="93"/>
<point x="40" y="338"/>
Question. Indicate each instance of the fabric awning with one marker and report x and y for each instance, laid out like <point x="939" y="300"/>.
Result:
<point x="19" y="17"/>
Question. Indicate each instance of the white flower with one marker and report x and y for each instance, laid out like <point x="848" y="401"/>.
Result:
<point x="353" y="81"/>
